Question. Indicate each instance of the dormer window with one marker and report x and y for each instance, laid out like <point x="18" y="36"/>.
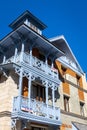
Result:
<point x="78" y="80"/>
<point x="32" y="26"/>
<point x="27" y="22"/>
<point x="63" y="70"/>
<point x="30" y="20"/>
<point x="35" y="28"/>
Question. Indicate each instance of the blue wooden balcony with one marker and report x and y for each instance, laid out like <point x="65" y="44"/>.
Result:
<point x="35" y="111"/>
<point x="35" y="63"/>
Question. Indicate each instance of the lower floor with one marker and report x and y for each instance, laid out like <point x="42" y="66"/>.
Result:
<point x="23" y="125"/>
<point x="68" y="123"/>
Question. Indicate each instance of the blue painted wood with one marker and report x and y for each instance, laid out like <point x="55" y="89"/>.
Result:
<point x="37" y="111"/>
<point x="15" y="55"/>
<point x="4" y="59"/>
<point x="37" y="66"/>
<point x="29" y="88"/>
<point x="22" y="52"/>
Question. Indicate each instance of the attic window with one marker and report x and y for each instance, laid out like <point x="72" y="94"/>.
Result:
<point x="63" y="69"/>
<point x="78" y="79"/>
<point x="35" y="28"/>
<point x="82" y="108"/>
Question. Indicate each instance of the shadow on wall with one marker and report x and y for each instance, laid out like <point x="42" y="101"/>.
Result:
<point x="4" y="77"/>
<point x="57" y="94"/>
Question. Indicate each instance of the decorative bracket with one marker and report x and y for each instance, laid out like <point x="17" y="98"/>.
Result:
<point x="5" y="72"/>
<point x="13" y="124"/>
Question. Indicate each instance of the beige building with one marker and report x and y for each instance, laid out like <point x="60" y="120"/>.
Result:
<point x="42" y="86"/>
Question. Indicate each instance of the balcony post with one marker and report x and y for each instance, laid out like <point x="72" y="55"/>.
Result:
<point x="15" y="54"/>
<point x="22" y="51"/>
<point x="46" y="87"/>
<point x="46" y="63"/>
<point x="29" y="89"/>
<point x="20" y="86"/>
<point x="53" y="98"/>
<point x="53" y="95"/>
<point x="4" y="59"/>
<point x="52" y="65"/>
<point x="46" y="60"/>
<point x="30" y="55"/>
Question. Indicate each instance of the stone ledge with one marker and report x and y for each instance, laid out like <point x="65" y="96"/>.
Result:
<point x="5" y="113"/>
<point x="73" y="114"/>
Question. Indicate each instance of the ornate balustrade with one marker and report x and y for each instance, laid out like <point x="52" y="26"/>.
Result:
<point x="34" y="62"/>
<point x="35" y="108"/>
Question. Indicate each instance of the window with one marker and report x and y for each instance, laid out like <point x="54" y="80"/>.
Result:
<point x="25" y="87"/>
<point x="78" y="79"/>
<point x="38" y="92"/>
<point x="35" y="28"/>
<point x="63" y="70"/>
<point x="66" y="103"/>
<point x="82" y="108"/>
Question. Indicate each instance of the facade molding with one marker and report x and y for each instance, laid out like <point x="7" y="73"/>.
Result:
<point x="76" y="86"/>
<point x="73" y="114"/>
<point x="5" y="113"/>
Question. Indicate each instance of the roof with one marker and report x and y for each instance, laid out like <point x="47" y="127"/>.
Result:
<point x="38" y="40"/>
<point x="31" y="17"/>
<point x="61" y="43"/>
<point x="80" y="126"/>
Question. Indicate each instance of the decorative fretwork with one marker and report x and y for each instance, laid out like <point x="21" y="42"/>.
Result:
<point x="50" y="84"/>
<point x="17" y="70"/>
<point x="32" y="78"/>
<point x="31" y="64"/>
<point x="5" y="72"/>
<point x="44" y="82"/>
<point x="55" y="86"/>
<point x="36" y="108"/>
<point x="13" y="124"/>
<point x="24" y="124"/>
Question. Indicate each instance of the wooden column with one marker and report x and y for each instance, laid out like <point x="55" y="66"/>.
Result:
<point x="4" y="59"/>
<point x="15" y="54"/>
<point x="29" y="89"/>
<point x="22" y="51"/>
<point x="46" y="87"/>
<point x="30" y="55"/>
<point x="20" y="86"/>
<point x="53" y="96"/>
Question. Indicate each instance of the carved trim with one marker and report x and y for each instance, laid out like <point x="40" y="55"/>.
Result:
<point x="17" y="70"/>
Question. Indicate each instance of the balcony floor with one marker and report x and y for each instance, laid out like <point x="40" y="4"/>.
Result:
<point x="35" y="118"/>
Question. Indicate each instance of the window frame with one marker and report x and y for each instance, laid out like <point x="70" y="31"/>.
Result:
<point x="66" y="103"/>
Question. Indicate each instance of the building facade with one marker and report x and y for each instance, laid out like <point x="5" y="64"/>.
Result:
<point x="42" y="86"/>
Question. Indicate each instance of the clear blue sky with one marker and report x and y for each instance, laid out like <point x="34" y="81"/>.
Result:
<point x="63" y="17"/>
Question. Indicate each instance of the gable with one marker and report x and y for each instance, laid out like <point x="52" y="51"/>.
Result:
<point x="68" y="59"/>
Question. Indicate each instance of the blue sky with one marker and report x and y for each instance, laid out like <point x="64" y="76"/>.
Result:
<point x="62" y="17"/>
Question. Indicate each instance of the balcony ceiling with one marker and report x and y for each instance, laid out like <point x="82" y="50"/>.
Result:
<point x="24" y="33"/>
